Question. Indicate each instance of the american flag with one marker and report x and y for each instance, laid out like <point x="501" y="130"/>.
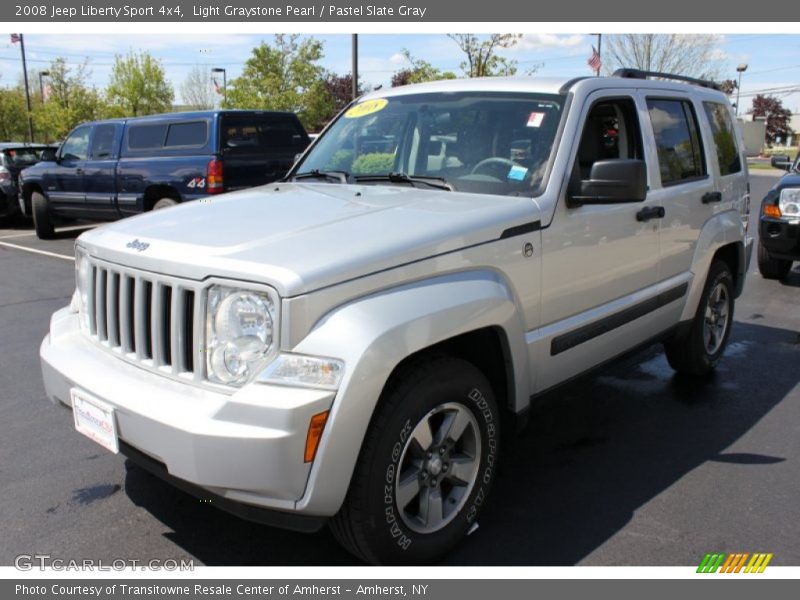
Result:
<point x="16" y="38"/>
<point x="216" y="86"/>
<point x="594" y="60"/>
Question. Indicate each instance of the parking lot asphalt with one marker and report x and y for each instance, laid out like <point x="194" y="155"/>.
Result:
<point x="631" y="466"/>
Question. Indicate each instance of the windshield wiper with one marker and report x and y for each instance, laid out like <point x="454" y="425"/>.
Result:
<point x="439" y="183"/>
<point x="340" y="176"/>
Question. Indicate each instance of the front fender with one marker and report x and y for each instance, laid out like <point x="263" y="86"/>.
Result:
<point x="373" y="335"/>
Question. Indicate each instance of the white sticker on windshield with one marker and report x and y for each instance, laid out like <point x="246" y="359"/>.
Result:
<point x="535" y="119"/>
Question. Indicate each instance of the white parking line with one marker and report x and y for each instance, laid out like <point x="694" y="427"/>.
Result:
<point x="36" y="251"/>
<point x="58" y="230"/>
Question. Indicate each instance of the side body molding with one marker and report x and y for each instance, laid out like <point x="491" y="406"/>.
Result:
<point x="374" y="334"/>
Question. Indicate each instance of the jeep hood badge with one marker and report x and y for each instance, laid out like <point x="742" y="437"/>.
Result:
<point x="137" y="245"/>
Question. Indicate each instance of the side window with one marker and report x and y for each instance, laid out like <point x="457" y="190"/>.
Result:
<point x="719" y="117"/>
<point x="680" y="155"/>
<point x="611" y="131"/>
<point x="187" y="134"/>
<point x="103" y="141"/>
<point x="249" y="135"/>
<point x="76" y="147"/>
<point x="146" y="137"/>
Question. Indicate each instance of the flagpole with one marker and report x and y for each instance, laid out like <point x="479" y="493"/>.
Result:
<point x="599" y="52"/>
<point x="27" y="91"/>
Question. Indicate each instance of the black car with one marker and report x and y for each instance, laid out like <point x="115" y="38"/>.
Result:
<point x="13" y="158"/>
<point x="779" y="227"/>
<point x="108" y="170"/>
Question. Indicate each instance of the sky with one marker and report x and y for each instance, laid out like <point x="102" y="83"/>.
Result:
<point x="773" y="60"/>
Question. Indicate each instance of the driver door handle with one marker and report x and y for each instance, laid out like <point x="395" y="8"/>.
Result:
<point x="79" y="171"/>
<point x="650" y="212"/>
<point x="710" y="197"/>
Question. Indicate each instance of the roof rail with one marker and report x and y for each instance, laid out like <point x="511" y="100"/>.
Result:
<point x="640" y="74"/>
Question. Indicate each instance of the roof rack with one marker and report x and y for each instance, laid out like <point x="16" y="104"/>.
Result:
<point x="640" y="74"/>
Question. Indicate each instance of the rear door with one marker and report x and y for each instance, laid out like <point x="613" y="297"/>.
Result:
<point x="258" y="148"/>
<point x="684" y="184"/>
<point x="100" y="171"/>
<point x="64" y="183"/>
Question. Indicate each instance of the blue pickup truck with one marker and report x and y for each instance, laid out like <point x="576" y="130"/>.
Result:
<point x="112" y="169"/>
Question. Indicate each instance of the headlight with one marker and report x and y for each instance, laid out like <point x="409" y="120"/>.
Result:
<point x="83" y="285"/>
<point x="789" y="203"/>
<point x="239" y="333"/>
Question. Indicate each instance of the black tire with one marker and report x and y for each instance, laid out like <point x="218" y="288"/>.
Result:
<point x="371" y="524"/>
<point x="42" y="219"/>
<point x="693" y="353"/>
<point x="772" y="268"/>
<point x="165" y="203"/>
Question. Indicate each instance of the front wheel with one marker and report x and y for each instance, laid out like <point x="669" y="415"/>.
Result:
<point x="425" y="468"/>
<point x="699" y="351"/>
<point x="770" y="267"/>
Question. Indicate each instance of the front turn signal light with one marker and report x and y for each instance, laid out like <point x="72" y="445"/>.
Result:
<point x="771" y="210"/>
<point x="315" y="428"/>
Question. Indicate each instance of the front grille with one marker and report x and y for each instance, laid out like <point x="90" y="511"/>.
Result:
<point x="146" y="318"/>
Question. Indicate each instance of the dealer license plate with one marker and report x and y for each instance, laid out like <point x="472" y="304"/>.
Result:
<point x="95" y="420"/>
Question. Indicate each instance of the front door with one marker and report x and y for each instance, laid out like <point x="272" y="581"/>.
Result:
<point x="599" y="261"/>
<point x="64" y="183"/>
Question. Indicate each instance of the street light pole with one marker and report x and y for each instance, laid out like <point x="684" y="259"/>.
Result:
<point x="740" y="69"/>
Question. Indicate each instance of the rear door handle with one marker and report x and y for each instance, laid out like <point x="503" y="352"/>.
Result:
<point x="79" y="171"/>
<point x="710" y="197"/>
<point x="651" y="212"/>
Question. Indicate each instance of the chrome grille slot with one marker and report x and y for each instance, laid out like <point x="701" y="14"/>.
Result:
<point x="148" y="319"/>
<point x="100" y="305"/>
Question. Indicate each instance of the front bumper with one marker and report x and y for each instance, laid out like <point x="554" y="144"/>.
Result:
<point x="246" y="447"/>
<point x="781" y="238"/>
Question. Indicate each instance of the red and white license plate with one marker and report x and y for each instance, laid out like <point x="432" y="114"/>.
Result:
<point x="95" y="420"/>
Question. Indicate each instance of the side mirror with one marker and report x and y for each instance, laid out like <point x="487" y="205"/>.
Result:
<point x="49" y="154"/>
<point x="611" y="182"/>
<point x="781" y="161"/>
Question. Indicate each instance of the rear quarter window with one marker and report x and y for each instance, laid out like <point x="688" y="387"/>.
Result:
<point x="187" y="134"/>
<point x="722" y="128"/>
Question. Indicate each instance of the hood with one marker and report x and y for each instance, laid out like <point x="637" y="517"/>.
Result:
<point x="302" y="237"/>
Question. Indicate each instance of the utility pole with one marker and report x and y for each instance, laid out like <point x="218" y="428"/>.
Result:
<point x="355" y="66"/>
<point x="18" y="37"/>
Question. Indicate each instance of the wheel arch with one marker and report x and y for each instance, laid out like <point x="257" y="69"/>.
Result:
<point x="471" y="315"/>
<point x="156" y="192"/>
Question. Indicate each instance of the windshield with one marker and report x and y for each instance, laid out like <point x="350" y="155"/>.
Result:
<point x="478" y="142"/>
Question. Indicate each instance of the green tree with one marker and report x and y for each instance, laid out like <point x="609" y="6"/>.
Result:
<point x="418" y="71"/>
<point x="284" y="76"/>
<point x="138" y="86"/>
<point x="68" y="101"/>
<point x="13" y="119"/>
<point x="482" y="59"/>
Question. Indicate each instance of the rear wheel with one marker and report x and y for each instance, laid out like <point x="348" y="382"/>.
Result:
<point x="425" y="468"/>
<point x="772" y="268"/>
<point x="42" y="219"/>
<point x="164" y="203"/>
<point x="699" y="351"/>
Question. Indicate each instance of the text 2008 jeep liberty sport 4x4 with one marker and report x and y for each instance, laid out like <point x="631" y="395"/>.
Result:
<point x="342" y="346"/>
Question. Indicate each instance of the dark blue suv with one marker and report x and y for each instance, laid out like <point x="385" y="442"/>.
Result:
<point x="112" y="169"/>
